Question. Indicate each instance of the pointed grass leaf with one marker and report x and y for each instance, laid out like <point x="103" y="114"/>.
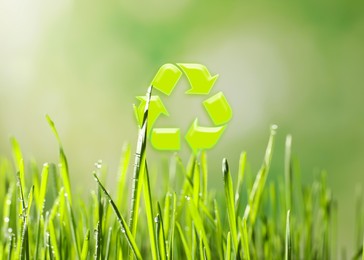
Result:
<point x="149" y="212"/>
<point x="255" y="195"/>
<point x="85" y="245"/>
<point x="63" y="163"/>
<point x="123" y="225"/>
<point x="139" y="168"/>
<point x="186" y="248"/>
<point x="229" y="197"/>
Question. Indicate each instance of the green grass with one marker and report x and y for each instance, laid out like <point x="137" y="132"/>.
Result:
<point x="252" y="218"/>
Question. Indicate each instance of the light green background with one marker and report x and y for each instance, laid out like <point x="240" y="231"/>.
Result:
<point x="299" y="65"/>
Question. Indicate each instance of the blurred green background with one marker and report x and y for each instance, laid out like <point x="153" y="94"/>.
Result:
<point x="297" y="64"/>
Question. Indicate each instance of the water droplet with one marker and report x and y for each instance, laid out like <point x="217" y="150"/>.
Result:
<point x="187" y="197"/>
<point x="8" y="202"/>
<point x="98" y="165"/>
<point x="156" y="219"/>
<point x="10" y="230"/>
<point x="122" y="230"/>
<point x="6" y="219"/>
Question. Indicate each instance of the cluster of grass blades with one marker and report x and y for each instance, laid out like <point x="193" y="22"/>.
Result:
<point x="251" y="219"/>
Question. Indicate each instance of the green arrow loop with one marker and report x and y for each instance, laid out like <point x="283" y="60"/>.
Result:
<point x="166" y="78"/>
<point x="201" y="83"/>
<point x="200" y="138"/>
<point x="200" y="79"/>
<point x="156" y="108"/>
<point x="166" y="139"/>
<point x="218" y="109"/>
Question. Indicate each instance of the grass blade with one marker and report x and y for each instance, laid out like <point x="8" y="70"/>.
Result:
<point x="229" y="197"/>
<point x="242" y="165"/>
<point x="85" y="245"/>
<point x="124" y="227"/>
<point x="186" y="248"/>
<point x="288" y="246"/>
<point x="160" y="236"/>
<point x="139" y="167"/>
<point x="245" y="239"/>
<point x="72" y="225"/>
<point x="228" y="247"/>
<point x="196" y="217"/>
<point x="149" y="212"/>
<point x="288" y="172"/>
<point x="108" y="244"/>
<point x="251" y="209"/>
<point x="63" y="160"/>
<point x="123" y="169"/>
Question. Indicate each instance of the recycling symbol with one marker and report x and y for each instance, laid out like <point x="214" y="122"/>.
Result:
<point x="201" y="82"/>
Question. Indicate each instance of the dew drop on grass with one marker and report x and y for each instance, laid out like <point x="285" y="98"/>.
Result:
<point x="6" y="219"/>
<point x="122" y="230"/>
<point x="8" y="202"/>
<point x="187" y="197"/>
<point x="10" y="230"/>
<point x="98" y="165"/>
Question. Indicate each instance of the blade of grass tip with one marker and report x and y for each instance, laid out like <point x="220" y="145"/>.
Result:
<point x="149" y="212"/>
<point x="123" y="225"/>
<point x="160" y="237"/>
<point x="19" y="162"/>
<point x="85" y="245"/>
<point x="228" y="246"/>
<point x="139" y="166"/>
<point x="251" y="209"/>
<point x="63" y="160"/>
<point x="34" y="172"/>
<point x="43" y="188"/>
<point x="288" y="172"/>
<point x="167" y="213"/>
<point x="123" y="169"/>
<point x="187" y="184"/>
<point x="100" y="220"/>
<point x="229" y="196"/>
<point x="161" y="234"/>
<point x="241" y="172"/>
<point x="288" y="247"/>
<point x="186" y="248"/>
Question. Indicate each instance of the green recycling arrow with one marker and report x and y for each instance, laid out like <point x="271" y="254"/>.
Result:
<point x="166" y="78"/>
<point x="201" y="138"/>
<point x="218" y="109"/>
<point x="199" y="77"/>
<point x="166" y="139"/>
<point x="201" y="82"/>
<point x="156" y="108"/>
